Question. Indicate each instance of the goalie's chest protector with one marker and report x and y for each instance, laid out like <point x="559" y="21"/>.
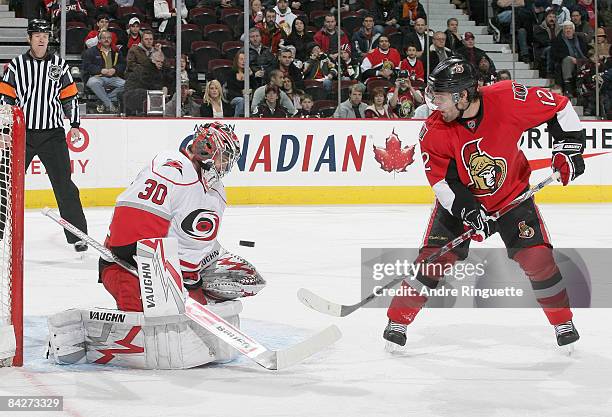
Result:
<point x="168" y="198"/>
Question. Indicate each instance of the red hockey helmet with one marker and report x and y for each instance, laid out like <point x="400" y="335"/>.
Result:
<point x="216" y="148"/>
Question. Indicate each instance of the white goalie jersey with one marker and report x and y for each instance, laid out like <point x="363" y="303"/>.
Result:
<point x="167" y="199"/>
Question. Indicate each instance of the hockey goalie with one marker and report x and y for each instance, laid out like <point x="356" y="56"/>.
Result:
<point x="179" y="196"/>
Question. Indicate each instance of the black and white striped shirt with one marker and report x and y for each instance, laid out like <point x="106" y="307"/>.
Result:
<point x="41" y="87"/>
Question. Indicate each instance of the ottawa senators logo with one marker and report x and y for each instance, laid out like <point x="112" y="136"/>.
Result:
<point x="525" y="232"/>
<point x="487" y="173"/>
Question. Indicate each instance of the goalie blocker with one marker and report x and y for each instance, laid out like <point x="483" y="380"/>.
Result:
<point x="161" y="337"/>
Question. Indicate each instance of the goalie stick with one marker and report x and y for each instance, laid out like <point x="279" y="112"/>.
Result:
<point x="267" y="358"/>
<point x="312" y="300"/>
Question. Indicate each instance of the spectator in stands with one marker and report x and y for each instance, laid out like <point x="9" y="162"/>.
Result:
<point x="503" y="75"/>
<point x="379" y="109"/>
<point x="416" y="71"/>
<point x="563" y="15"/>
<point x="502" y="19"/>
<point x="75" y="11"/>
<point x="353" y="107"/>
<point x="438" y="52"/>
<point x="453" y="38"/>
<point x="271" y="33"/>
<point x="148" y="76"/>
<point x="406" y="12"/>
<point x="189" y="108"/>
<point x="526" y="18"/>
<point x="299" y="38"/>
<point x="418" y="38"/>
<point x="543" y="35"/>
<point x="140" y="54"/>
<point x="317" y="67"/>
<point x="190" y="76"/>
<point x="382" y="61"/>
<point x="284" y="15"/>
<point x="97" y="7"/>
<point x="104" y="68"/>
<point x="270" y="106"/>
<point x="351" y="68"/>
<point x="235" y="85"/>
<point x="92" y="37"/>
<point x="403" y="97"/>
<point x="327" y="37"/>
<point x="471" y="53"/>
<point x="366" y="38"/>
<point x="582" y="28"/>
<point x="257" y="13"/>
<point x="134" y="33"/>
<point x="214" y="104"/>
<point x="165" y="10"/>
<point x="566" y="50"/>
<point x="603" y="47"/>
<point x="294" y="94"/>
<point x="261" y="58"/>
<point x="384" y="12"/>
<point x="586" y="81"/>
<point x="288" y="68"/>
<point x="348" y="6"/>
<point x="306" y="111"/>
<point x="485" y="75"/>
<point x="276" y="79"/>
<point x="588" y="10"/>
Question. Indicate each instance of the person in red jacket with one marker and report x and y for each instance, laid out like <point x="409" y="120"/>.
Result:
<point x="327" y="37"/>
<point x="91" y="39"/>
<point x="382" y="61"/>
<point x="271" y="33"/>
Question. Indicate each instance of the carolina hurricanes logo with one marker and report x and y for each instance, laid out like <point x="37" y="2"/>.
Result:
<point x="174" y="164"/>
<point x="201" y="224"/>
<point x="487" y="173"/>
<point x="525" y="232"/>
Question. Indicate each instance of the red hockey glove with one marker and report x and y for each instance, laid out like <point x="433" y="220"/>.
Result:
<point x="567" y="160"/>
<point x="483" y="225"/>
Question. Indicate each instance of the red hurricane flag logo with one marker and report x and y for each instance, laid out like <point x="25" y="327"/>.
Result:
<point x="394" y="158"/>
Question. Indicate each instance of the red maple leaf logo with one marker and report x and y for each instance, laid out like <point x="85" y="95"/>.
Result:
<point x="393" y="157"/>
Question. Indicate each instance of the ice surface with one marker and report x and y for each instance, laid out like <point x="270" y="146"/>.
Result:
<point x="467" y="363"/>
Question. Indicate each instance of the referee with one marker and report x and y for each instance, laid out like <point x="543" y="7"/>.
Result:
<point x="41" y="84"/>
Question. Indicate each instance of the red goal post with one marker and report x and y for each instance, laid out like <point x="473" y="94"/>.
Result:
<point x="12" y="174"/>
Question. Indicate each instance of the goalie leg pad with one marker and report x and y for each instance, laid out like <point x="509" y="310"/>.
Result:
<point x="231" y="277"/>
<point x="128" y="339"/>
<point x="66" y="338"/>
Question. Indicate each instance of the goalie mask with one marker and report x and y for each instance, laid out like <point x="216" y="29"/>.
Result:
<point x="216" y="149"/>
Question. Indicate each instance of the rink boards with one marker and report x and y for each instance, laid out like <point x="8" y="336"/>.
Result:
<point x="304" y="161"/>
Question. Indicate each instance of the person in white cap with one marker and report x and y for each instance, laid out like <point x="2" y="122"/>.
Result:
<point x="134" y="33"/>
<point x="561" y="11"/>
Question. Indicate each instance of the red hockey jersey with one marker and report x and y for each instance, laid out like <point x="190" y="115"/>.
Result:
<point x="483" y="154"/>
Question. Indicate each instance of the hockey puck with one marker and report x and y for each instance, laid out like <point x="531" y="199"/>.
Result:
<point x="247" y="243"/>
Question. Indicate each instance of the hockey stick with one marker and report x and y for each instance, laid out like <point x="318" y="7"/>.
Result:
<point x="312" y="300"/>
<point x="267" y="358"/>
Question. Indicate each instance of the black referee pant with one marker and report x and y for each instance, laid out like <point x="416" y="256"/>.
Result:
<point x="50" y="146"/>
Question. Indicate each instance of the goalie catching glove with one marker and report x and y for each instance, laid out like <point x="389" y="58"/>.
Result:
<point x="567" y="160"/>
<point x="481" y="222"/>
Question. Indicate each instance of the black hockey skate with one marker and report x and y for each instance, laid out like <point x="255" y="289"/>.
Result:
<point x="80" y="246"/>
<point x="566" y="333"/>
<point x="395" y="333"/>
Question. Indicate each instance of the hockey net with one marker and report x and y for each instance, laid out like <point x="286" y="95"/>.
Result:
<point x="12" y="172"/>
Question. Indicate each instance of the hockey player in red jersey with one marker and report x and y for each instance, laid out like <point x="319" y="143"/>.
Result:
<point x="181" y="195"/>
<point x="474" y="164"/>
